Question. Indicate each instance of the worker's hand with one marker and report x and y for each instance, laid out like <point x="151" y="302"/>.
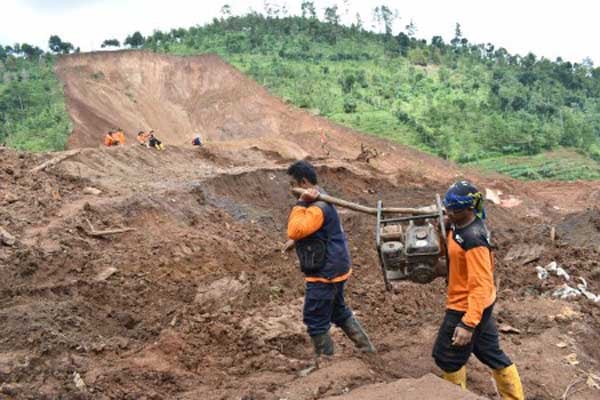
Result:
<point x="287" y="246"/>
<point x="461" y="337"/>
<point x="309" y="195"/>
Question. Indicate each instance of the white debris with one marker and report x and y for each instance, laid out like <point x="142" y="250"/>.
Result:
<point x="493" y="195"/>
<point x="583" y="289"/>
<point x="541" y="272"/>
<point x="563" y="273"/>
<point x="566" y="292"/>
<point x="6" y="238"/>
<point x="106" y="273"/>
<point x="79" y="383"/>
<point x="91" y="190"/>
<point x="558" y="271"/>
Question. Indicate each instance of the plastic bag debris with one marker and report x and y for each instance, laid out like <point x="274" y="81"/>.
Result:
<point x="558" y="271"/>
<point x="583" y="289"/>
<point x="566" y="292"/>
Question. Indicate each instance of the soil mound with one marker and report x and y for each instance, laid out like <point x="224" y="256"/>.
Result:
<point x="581" y="229"/>
<point x="179" y="96"/>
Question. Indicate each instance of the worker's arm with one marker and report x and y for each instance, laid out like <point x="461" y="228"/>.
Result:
<point x="304" y="221"/>
<point x="480" y="283"/>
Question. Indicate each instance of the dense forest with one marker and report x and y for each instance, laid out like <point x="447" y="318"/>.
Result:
<point x="473" y="103"/>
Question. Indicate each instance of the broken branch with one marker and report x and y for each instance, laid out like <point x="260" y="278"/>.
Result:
<point x="53" y="161"/>
<point x="93" y="232"/>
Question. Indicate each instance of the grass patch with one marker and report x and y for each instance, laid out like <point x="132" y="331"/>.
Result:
<point x="562" y="165"/>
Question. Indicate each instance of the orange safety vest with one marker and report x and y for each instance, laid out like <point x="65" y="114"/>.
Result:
<point x="120" y="137"/>
<point x="109" y="140"/>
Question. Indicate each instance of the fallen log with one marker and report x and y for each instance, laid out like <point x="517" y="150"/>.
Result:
<point x="370" y="210"/>
<point x="53" y="161"/>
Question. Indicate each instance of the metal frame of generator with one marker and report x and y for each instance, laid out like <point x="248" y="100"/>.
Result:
<point x="409" y="246"/>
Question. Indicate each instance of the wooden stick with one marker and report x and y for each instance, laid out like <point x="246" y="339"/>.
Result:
<point x="110" y="232"/>
<point x="53" y="161"/>
<point x="367" y="210"/>
<point x="93" y="232"/>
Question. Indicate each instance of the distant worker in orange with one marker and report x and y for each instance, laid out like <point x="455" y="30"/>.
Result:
<point x="154" y="142"/>
<point x="111" y="139"/>
<point x="120" y="134"/>
<point x="143" y="138"/>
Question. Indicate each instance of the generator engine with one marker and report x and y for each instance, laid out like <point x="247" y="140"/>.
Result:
<point x="409" y="246"/>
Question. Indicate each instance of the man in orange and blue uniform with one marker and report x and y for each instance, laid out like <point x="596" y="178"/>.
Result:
<point x="469" y="326"/>
<point x="316" y="231"/>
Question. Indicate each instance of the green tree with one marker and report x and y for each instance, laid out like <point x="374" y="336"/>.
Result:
<point x="135" y="40"/>
<point x="225" y="11"/>
<point x="31" y="52"/>
<point x="457" y="39"/>
<point x="331" y="15"/>
<point x="110" y="43"/>
<point x="308" y="9"/>
<point x="57" y="46"/>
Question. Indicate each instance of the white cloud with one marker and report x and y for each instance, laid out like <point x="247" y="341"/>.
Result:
<point x="548" y="28"/>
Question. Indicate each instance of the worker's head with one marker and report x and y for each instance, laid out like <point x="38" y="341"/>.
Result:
<point x="140" y="133"/>
<point x="462" y="200"/>
<point x="303" y="174"/>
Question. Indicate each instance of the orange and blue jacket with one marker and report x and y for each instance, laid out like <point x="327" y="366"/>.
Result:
<point x="471" y="286"/>
<point x="320" y="220"/>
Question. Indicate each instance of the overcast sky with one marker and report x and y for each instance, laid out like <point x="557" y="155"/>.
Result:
<point x="548" y="28"/>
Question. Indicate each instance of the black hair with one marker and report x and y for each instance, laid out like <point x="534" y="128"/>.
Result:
<point x="303" y="169"/>
<point x="140" y="133"/>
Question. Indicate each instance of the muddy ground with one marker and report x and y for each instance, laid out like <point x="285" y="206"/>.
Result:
<point x="199" y="303"/>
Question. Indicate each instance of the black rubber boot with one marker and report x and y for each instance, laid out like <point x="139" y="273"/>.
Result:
<point x="355" y="332"/>
<point x="323" y="345"/>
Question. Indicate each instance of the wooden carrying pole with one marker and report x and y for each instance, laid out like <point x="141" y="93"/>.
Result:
<point x="368" y="210"/>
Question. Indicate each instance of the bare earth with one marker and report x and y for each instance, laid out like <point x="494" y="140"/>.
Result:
<point x="199" y="303"/>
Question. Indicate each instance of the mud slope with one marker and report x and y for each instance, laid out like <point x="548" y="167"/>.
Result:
<point x="177" y="96"/>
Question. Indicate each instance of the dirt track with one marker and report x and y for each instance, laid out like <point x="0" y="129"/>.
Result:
<point x="198" y="302"/>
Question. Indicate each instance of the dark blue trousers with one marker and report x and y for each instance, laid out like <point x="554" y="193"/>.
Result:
<point x="485" y="343"/>
<point x="323" y="304"/>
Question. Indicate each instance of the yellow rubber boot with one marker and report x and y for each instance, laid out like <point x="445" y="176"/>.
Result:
<point x="509" y="383"/>
<point x="458" y="377"/>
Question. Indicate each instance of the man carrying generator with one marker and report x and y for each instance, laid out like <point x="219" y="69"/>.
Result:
<point x="315" y="229"/>
<point x="469" y="326"/>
